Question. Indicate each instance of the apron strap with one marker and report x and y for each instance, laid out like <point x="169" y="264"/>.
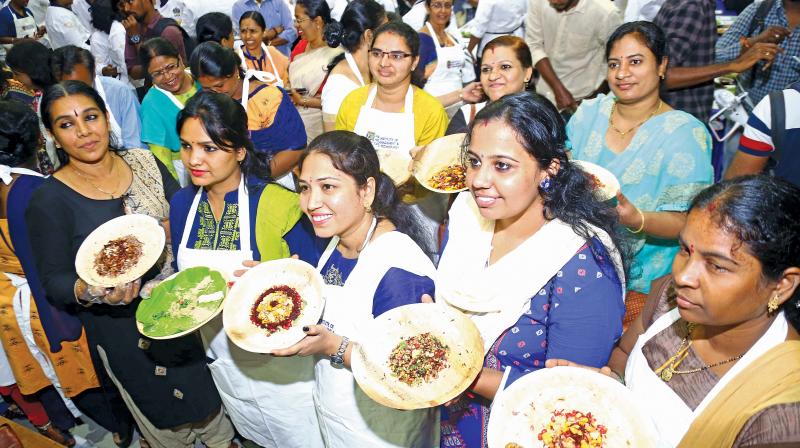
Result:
<point x="244" y="217"/>
<point x="351" y="62"/>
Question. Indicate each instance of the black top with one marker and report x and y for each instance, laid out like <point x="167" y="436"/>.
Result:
<point x="59" y="219"/>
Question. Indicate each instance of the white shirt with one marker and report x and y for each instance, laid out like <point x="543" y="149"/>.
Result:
<point x="64" y="28"/>
<point x="81" y="9"/>
<point x="574" y="41"/>
<point x="338" y="6"/>
<point x="200" y="8"/>
<point x="497" y="18"/>
<point x="109" y="49"/>
<point x="178" y="10"/>
<point x="642" y="10"/>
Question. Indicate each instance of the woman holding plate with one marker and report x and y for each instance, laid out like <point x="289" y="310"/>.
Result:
<point x="221" y="222"/>
<point x="714" y="357"/>
<point x="661" y="156"/>
<point x="165" y="384"/>
<point x="372" y="264"/>
<point x="529" y="255"/>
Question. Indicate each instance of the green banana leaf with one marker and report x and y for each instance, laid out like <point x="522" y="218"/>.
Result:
<point x="174" y="305"/>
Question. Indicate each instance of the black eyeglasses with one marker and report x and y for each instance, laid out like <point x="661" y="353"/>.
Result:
<point x="396" y="56"/>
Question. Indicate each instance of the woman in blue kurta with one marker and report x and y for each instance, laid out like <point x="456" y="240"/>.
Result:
<point x="661" y="156"/>
<point x="373" y="264"/>
<point x="530" y="256"/>
<point x="172" y="88"/>
<point x="222" y="222"/>
<point x="276" y="129"/>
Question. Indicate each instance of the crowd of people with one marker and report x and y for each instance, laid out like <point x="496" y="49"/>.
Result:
<point x="257" y="130"/>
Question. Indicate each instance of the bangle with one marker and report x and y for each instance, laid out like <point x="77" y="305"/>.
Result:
<point x="305" y="103"/>
<point x="641" y="227"/>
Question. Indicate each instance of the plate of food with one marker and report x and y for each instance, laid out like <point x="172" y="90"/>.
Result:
<point x="182" y="303"/>
<point x="568" y="407"/>
<point x="440" y="168"/>
<point x="417" y="356"/>
<point x="269" y="305"/>
<point x="120" y="251"/>
<point x="395" y="164"/>
<point x="601" y="180"/>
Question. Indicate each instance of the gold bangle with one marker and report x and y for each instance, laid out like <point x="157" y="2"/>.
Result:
<point x="641" y="227"/>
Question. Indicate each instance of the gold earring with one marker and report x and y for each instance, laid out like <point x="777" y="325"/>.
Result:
<point x="368" y="209"/>
<point x="773" y="304"/>
<point x="662" y="76"/>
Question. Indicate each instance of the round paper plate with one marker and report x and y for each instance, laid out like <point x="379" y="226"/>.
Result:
<point x="182" y="303"/>
<point x="242" y="298"/>
<point x="395" y="164"/>
<point x="439" y="154"/>
<point x="521" y="411"/>
<point x="608" y="184"/>
<point x="370" y="358"/>
<point x="144" y="228"/>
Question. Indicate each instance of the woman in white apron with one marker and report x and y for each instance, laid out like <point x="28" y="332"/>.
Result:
<point x="372" y="264"/>
<point x="528" y="307"/>
<point x="258" y="56"/>
<point x="396" y="116"/>
<point x="25" y="26"/>
<point x="721" y="367"/>
<point x="506" y="67"/>
<point x="276" y="128"/>
<point x="267" y="398"/>
<point x="308" y="70"/>
<point x="172" y="88"/>
<point x="448" y="65"/>
<point x="350" y="69"/>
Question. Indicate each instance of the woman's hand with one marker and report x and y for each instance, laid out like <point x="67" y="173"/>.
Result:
<point x="297" y="99"/>
<point x="318" y="341"/>
<point x="472" y="92"/>
<point x="416" y="154"/>
<point x="123" y="294"/>
<point x="629" y="215"/>
<point x="247" y="264"/>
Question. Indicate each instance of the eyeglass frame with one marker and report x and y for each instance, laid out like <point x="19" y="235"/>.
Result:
<point x="442" y="5"/>
<point x="297" y="22"/>
<point x="394" y="56"/>
<point x="157" y="74"/>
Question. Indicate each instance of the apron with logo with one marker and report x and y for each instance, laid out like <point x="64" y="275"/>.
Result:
<point x="450" y="61"/>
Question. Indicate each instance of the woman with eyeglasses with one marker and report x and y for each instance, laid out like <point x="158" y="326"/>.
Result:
<point x="394" y="114"/>
<point x="444" y="59"/>
<point x="506" y="67"/>
<point x="172" y="88"/>
<point x="309" y="61"/>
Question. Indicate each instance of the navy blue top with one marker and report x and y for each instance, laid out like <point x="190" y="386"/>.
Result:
<point x="7" y="16"/>
<point x="398" y="287"/>
<point x="300" y="238"/>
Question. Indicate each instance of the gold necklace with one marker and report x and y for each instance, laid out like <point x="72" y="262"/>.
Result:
<point x="670" y="367"/>
<point x="92" y="184"/>
<point x="624" y="133"/>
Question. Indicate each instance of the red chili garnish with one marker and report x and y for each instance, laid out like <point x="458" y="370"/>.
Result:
<point x="117" y="256"/>
<point x="286" y="322"/>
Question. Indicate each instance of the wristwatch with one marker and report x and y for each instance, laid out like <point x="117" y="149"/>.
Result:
<point x="135" y="39"/>
<point x="337" y="359"/>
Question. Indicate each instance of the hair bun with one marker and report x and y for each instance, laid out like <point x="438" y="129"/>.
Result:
<point x="333" y="34"/>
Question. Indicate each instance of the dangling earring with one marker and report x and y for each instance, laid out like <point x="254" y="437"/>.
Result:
<point x="546" y="185"/>
<point x="773" y="304"/>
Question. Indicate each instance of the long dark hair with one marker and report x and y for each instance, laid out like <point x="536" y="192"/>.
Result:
<point x="317" y="8"/>
<point x="19" y="133"/>
<point x="358" y="16"/>
<point x="763" y="213"/>
<point x="355" y="156"/>
<point x="68" y="88"/>
<point x="214" y="27"/>
<point x="225" y="122"/>
<point x="32" y="58"/>
<point x="255" y="16"/>
<point x="539" y="128"/>
<point x="212" y="59"/>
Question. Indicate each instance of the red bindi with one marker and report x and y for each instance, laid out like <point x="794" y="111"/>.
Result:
<point x="691" y="249"/>
<point x="712" y="206"/>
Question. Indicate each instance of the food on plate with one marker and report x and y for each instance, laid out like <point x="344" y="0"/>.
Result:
<point x="449" y="178"/>
<point x="594" y="182"/>
<point x="418" y="359"/>
<point x="513" y="445"/>
<point x="572" y="429"/>
<point x="117" y="256"/>
<point x="277" y="308"/>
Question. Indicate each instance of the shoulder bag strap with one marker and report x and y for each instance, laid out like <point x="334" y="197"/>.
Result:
<point x="777" y="123"/>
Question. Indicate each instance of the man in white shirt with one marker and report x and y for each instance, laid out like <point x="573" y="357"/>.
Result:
<point x="496" y="18"/>
<point x="63" y="26"/>
<point x="567" y="39"/>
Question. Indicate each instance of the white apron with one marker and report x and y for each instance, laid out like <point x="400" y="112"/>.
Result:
<point x="348" y="418"/>
<point x="183" y="174"/>
<point x="351" y="62"/>
<point x="274" y="76"/>
<point x="287" y="180"/>
<point x="670" y="414"/>
<point x="450" y="61"/>
<point x="254" y="388"/>
<point x="116" y="130"/>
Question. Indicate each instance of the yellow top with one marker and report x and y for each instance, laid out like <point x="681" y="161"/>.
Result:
<point x="430" y="119"/>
